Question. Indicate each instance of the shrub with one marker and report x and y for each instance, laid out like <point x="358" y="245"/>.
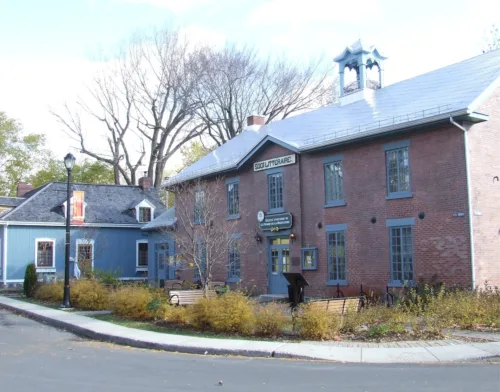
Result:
<point x="108" y="277"/>
<point x="177" y="314"/>
<point x="52" y="292"/>
<point x="233" y="314"/>
<point x="318" y="324"/>
<point x="230" y="313"/>
<point x="157" y="308"/>
<point x="270" y="320"/>
<point x="30" y="280"/>
<point x="89" y="294"/>
<point x="131" y="302"/>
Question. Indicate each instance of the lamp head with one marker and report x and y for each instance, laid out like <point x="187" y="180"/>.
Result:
<point x="69" y="161"/>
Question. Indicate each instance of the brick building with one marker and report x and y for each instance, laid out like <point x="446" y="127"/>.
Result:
<point x="390" y="184"/>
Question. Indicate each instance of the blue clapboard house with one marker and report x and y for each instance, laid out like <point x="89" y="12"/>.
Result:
<point x="109" y="236"/>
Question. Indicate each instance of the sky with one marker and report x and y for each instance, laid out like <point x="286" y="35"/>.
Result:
<point x="50" y="49"/>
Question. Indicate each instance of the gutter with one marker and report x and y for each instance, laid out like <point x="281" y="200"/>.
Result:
<point x="469" y="200"/>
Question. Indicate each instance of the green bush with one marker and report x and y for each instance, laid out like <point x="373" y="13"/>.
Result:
<point x="270" y="320"/>
<point x="177" y="314"/>
<point x="157" y="307"/>
<point x="89" y="294"/>
<point x="108" y="277"/>
<point x="30" y="281"/>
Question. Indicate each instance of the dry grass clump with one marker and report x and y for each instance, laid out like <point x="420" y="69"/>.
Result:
<point x="270" y="319"/>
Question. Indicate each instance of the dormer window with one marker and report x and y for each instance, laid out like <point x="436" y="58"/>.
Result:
<point x="144" y="214"/>
<point x="77" y="207"/>
<point x="144" y="211"/>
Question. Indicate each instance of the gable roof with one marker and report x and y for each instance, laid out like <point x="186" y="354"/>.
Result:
<point x="455" y="90"/>
<point x="105" y="204"/>
<point x="11" y="201"/>
<point x="167" y="219"/>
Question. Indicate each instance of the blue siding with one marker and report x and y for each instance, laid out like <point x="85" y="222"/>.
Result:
<point x="114" y="249"/>
<point x="1" y="251"/>
<point x="156" y="238"/>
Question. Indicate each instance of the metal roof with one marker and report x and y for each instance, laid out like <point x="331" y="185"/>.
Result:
<point x="454" y="90"/>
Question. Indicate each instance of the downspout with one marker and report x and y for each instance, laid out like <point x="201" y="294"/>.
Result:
<point x="469" y="200"/>
<point x="4" y="256"/>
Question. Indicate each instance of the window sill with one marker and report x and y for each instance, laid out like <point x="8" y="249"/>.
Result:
<point x="399" y="284"/>
<point x="141" y="269"/>
<point x="45" y="269"/>
<point x="233" y="280"/>
<point x="314" y="268"/>
<point x="233" y="217"/>
<point x="399" y="195"/>
<point x="276" y="211"/>
<point x="335" y="203"/>
<point x="337" y="282"/>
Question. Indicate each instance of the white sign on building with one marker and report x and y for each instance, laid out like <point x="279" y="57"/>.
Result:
<point x="274" y="162"/>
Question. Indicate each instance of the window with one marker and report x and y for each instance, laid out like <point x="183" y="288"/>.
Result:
<point x="275" y="189"/>
<point x="334" y="182"/>
<point x="144" y="214"/>
<point x="199" y="205"/>
<point x="398" y="169"/>
<point x="142" y="255"/>
<point x="45" y="253"/>
<point x="309" y="258"/>
<point x="401" y="254"/>
<point x="85" y="255"/>
<point x="336" y="256"/>
<point x="234" y="261"/>
<point x="233" y="198"/>
<point x="201" y="259"/>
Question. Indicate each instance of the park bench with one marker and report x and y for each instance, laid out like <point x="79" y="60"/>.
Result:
<point x="337" y="306"/>
<point x="173" y="284"/>
<point x="188" y="297"/>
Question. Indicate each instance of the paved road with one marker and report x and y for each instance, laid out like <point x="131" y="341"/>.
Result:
<point x="34" y="356"/>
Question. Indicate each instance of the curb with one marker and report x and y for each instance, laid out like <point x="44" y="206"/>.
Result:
<point x="120" y="335"/>
<point x="106" y="338"/>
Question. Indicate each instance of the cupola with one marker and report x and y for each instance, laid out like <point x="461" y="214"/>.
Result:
<point x="359" y="57"/>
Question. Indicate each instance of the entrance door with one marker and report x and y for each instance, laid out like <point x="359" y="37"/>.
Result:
<point x="279" y="262"/>
<point x="163" y="268"/>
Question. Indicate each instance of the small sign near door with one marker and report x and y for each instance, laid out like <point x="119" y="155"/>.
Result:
<point x="276" y="222"/>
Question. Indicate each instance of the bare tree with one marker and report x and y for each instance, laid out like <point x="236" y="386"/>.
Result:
<point x="207" y="240"/>
<point x="238" y="83"/>
<point x="492" y="39"/>
<point x="146" y="104"/>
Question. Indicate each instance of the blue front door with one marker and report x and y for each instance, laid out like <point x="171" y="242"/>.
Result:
<point x="279" y="262"/>
<point x="164" y="266"/>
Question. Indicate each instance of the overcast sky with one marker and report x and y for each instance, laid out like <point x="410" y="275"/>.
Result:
<point x="49" y="48"/>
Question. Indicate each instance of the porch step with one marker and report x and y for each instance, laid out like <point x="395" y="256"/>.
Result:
<point x="272" y="297"/>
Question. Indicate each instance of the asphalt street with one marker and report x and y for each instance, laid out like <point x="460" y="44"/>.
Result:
<point x="34" y="356"/>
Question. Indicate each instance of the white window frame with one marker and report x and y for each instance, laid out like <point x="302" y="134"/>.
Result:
<point x="71" y="208"/>
<point x="137" y="267"/>
<point x="146" y="204"/>
<point x="45" y="269"/>
<point x="83" y="241"/>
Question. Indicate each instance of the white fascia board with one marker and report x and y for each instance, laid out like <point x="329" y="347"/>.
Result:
<point x="484" y="95"/>
<point x="57" y="224"/>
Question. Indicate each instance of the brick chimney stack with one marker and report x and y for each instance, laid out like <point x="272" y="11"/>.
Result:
<point x="256" y="119"/>
<point x="23" y="188"/>
<point x="145" y="183"/>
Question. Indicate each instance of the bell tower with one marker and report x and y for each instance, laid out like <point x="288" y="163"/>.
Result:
<point x="360" y="57"/>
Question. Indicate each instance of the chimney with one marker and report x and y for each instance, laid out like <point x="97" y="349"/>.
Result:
<point x="23" y="188"/>
<point x="145" y="183"/>
<point x="256" y="119"/>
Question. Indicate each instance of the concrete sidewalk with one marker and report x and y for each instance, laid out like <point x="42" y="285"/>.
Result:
<point x="398" y="352"/>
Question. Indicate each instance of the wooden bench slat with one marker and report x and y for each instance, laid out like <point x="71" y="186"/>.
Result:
<point x="188" y="297"/>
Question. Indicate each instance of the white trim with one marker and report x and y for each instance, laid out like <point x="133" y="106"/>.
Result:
<point x="145" y="278"/>
<point x="45" y="269"/>
<point x="83" y="241"/>
<point x="137" y="267"/>
<point x="14" y="281"/>
<point x="71" y="208"/>
<point x="4" y="254"/>
<point x="144" y="204"/>
<point x="60" y="224"/>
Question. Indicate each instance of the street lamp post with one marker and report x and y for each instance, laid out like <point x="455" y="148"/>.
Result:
<point x="69" y="162"/>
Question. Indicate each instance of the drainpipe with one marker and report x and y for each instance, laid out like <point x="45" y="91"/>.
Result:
<point x="469" y="197"/>
<point x="4" y="256"/>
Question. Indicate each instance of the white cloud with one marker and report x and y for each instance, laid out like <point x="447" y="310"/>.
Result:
<point x="177" y="6"/>
<point x="298" y="11"/>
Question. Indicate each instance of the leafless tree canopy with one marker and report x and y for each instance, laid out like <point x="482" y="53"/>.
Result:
<point x="162" y="92"/>
<point x="239" y="83"/>
<point x="203" y="234"/>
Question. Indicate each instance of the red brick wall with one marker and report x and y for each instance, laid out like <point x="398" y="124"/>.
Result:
<point x="484" y="161"/>
<point x="438" y="183"/>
